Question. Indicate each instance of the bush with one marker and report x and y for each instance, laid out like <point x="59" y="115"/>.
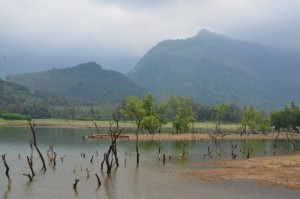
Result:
<point x="13" y="116"/>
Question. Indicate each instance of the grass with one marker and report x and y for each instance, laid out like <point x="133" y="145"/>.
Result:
<point x="90" y="124"/>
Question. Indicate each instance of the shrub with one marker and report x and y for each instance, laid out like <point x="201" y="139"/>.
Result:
<point x="13" y="116"/>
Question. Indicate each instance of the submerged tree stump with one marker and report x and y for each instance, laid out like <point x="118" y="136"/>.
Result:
<point x="7" y="171"/>
<point x="75" y="184"/>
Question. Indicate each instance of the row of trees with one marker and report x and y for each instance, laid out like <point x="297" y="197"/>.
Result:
<point x="151" y="115"/>
<point x="182" y="112"/>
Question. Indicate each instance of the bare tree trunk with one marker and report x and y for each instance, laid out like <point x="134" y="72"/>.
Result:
<point x="137" y="144"/>
<point x="115" y="132"/>
<point x="75" y="184"/>
<point x="275" y="145"/>
<point x="29" y="160"/>
<point x="94" y="117"/>
<point x="7" y="171"/>
<point x="28" y="175"/>
<point x="32" y="125"/>
<point x="98" y="180"/>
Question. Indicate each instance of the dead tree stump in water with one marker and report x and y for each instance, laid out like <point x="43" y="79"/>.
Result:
<point x="30" y="163"/>
<point x="98" y="180"/>
<point x="7" y="171"/>
<point x="34" y="143"/>
<point x="115" y="132"/>
<point x="28" y="175"/>
<point x="75" y="184"/>
<point x="53" y="159"/>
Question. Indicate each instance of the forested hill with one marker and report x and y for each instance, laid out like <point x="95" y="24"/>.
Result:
<point x="211" y="68"/>
<point x="87" y="82"/>
<point x="12" y="94"/>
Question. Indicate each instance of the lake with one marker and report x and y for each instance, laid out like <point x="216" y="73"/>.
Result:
<point x="150" y="179"/>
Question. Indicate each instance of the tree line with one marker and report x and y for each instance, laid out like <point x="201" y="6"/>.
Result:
<point x="152" y="115"/>
<point x="182" y="112"/>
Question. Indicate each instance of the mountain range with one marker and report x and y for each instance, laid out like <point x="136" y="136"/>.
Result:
<point x="212" y="68"/>
<point x="87" y="82"/>
<point x="209" y="68"/>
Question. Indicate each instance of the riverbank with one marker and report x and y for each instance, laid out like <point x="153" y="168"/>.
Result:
<point x="204" y="136"/>
<point x="273" y="170"/>
<point x="168" y="132"/>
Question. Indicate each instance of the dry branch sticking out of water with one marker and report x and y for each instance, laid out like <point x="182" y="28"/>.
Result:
<point x="275" y="170"/>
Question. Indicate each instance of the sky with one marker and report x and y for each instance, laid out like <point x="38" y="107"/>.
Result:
<point x="44" y="34"/>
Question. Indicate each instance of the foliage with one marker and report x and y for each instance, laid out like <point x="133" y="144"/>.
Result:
<point x="287" y="118"/>
<point x="13" y="116"/>
<point x="181" y="113"/>
<point x="255" y="120"/>
<point x="150" y="122"/>
<point x="221" y="110"/>
<point x="134" y="110"/>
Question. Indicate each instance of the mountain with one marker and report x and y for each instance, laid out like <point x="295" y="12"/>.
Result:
<point x="212" y="68"/>
<point x="11" y="93"/>
<point x="87" y="82"/>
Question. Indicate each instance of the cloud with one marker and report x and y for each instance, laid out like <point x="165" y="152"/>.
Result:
<point x="107" y="29"/>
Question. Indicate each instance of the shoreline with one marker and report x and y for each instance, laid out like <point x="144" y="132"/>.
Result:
<point x="202" y="136"/>
<point x="166" y="135"/>
<point x="271" y="170"/>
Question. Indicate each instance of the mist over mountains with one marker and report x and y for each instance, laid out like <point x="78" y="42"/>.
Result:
<point x="209" y="68"/>
<point x="212" y="68"/>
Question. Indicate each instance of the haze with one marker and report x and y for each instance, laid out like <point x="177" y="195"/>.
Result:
<point x="37" y="35"/>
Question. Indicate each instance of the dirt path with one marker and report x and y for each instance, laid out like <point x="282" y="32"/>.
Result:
<point x="275" y="170"/>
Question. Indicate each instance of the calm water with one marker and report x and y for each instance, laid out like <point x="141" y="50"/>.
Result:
<point x="151" y="179"/>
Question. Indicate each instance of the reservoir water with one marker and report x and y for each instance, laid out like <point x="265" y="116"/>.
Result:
<point x="150" y="179"/>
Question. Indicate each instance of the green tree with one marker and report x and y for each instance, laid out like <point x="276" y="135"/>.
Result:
<point x="181" y="113"/>
<point x="255" y="120"/>
<point x="150" y="121"/>
<point x="162" y="114"/>
<point x="134" y="109"/>
<point x="287" y="118"/>
<point x="221" y="110"/>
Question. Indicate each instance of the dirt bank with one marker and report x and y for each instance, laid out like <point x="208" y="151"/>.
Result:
<point x="274" y="170"/>
<point x="199" y="136"/>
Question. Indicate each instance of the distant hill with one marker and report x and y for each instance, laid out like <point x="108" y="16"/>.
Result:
<point x="211" y="68"/>
<point x="11" y="94"/>
<point x="87" y="82"/>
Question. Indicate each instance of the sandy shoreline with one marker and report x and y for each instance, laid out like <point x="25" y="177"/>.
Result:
<point x="204" y="136"/>
<point x="273" y="170"/>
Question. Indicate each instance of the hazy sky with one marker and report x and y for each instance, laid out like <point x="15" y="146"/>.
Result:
<point x="116" y="33"/>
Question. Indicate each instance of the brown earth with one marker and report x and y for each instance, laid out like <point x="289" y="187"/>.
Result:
<point x="199" y="136"/>
<point x="274" y="170"/>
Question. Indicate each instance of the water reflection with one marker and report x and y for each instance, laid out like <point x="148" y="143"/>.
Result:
<point x="150" y="179"/>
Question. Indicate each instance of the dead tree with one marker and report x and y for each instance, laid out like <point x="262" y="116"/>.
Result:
<point x="233" y="148"/>
<point x="275" y="144"/>
<point x="7" y="171"/>
<point x="34" y="143"/>
<point x="53" y="159"/>
<point x="115" y="132"/>
<point x="92" y="159"/>
<point x="98" y="180"/>
<point x="75" y="184"/>
<point x="50" y="156"/>
<point x="94" y="121"/>
<point x="28" y="175"/>
<point x="30" y="163"/>
<point x="208" y="154"/>
<point x="291" y="141"/>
